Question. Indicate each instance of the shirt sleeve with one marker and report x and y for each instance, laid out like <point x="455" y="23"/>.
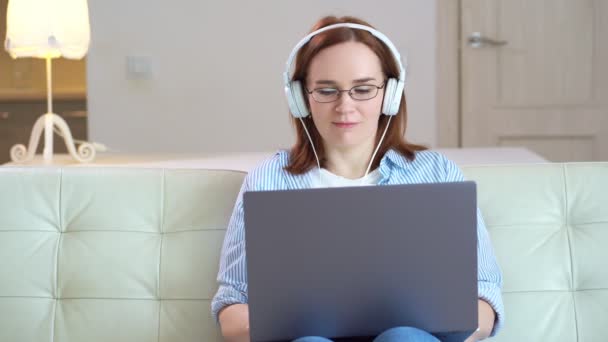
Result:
<point x="232" y="275"/>
<point x="489" y="275"/>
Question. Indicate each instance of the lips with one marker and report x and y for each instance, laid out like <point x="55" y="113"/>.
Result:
<point x="345" y="124"/>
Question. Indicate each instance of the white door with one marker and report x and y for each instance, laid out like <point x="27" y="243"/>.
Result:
<point x="534" y="73"/>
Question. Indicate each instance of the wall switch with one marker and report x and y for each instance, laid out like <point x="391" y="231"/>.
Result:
<point x="138" y="67"/>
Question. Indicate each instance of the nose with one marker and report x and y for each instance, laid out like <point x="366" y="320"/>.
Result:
<point x="344" y="103"/>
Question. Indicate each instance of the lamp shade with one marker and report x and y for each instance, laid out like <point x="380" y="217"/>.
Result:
<point x="47" y="28"/>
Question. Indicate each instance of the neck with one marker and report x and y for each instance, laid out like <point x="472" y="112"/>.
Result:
<point x="349" y="162"/>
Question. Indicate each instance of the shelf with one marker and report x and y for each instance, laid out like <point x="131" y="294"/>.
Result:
<point x="19" y="95"/>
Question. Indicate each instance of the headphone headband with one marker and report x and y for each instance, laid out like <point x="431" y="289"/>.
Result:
<point x="374" y="32"/>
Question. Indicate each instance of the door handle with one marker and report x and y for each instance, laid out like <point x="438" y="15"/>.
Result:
<point x="476" y="40"/>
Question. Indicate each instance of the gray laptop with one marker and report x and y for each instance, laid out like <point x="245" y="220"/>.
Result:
<point x="355" y="261"/>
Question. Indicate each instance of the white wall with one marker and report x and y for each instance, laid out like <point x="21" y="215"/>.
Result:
<point x="215" y="72"/>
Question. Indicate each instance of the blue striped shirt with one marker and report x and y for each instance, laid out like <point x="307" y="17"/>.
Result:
<point x="428" y="167"/>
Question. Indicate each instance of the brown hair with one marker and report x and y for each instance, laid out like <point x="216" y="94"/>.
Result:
<point x="302" y="157"/>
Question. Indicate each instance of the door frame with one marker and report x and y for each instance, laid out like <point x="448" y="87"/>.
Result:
<point x="449" y="118"/>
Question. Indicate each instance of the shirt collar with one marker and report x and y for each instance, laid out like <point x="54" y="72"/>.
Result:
<point x="390" y="160"/>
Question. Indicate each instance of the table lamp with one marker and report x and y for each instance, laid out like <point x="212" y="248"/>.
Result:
<point x="48" y="29"/>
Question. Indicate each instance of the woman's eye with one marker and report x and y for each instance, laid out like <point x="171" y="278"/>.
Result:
<point x="363" y="90"/>
<point x="327" y="91"/>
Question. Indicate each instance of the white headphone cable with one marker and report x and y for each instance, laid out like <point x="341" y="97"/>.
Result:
<point x="373" y="155"/>
<point x="378" y="147"/>
<point x="311" y="144"/>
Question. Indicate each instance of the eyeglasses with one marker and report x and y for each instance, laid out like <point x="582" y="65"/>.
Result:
<point x="361" y="92"/>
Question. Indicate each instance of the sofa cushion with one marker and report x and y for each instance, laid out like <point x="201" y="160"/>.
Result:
<point x="549" y="228"/>
<point x="111" y="254"/>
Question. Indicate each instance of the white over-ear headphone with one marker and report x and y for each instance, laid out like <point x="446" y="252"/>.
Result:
<point x="392" y="93"/>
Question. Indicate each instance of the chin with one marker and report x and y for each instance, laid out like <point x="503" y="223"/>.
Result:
<point x="346" y="143"/>
<point x="344" y="140"/>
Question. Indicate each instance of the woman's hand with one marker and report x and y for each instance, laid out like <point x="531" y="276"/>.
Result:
<point x="234" y="322"/>
<point x="485" y="321"/>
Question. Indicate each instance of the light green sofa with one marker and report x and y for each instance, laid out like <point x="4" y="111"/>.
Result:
<point x="120" y="254"/>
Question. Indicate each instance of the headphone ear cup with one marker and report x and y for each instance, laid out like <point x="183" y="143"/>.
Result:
<point x="293" y="109"/>
<point x="397" y="97"/>
<point x="389" y="93"/>
<point x="299" y="109"/>
<point x="392" y="96"/>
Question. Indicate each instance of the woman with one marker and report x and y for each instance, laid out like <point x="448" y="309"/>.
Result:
<point x="346" y="89"/>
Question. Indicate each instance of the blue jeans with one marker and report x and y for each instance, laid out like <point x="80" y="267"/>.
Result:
<point x="398" y="334"/>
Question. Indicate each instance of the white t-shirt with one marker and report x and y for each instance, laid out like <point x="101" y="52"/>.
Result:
<point x="325" y="179"/>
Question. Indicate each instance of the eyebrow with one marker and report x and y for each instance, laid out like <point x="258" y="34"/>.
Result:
<point x="359" y="80"/>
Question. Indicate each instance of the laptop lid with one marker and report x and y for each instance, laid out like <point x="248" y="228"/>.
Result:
<point x="355" y="261"/>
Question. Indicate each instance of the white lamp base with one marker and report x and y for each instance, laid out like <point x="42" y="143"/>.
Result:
<point x="46" y="123"/>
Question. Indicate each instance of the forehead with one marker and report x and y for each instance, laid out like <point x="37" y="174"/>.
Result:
<point x="345" y="62"/>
